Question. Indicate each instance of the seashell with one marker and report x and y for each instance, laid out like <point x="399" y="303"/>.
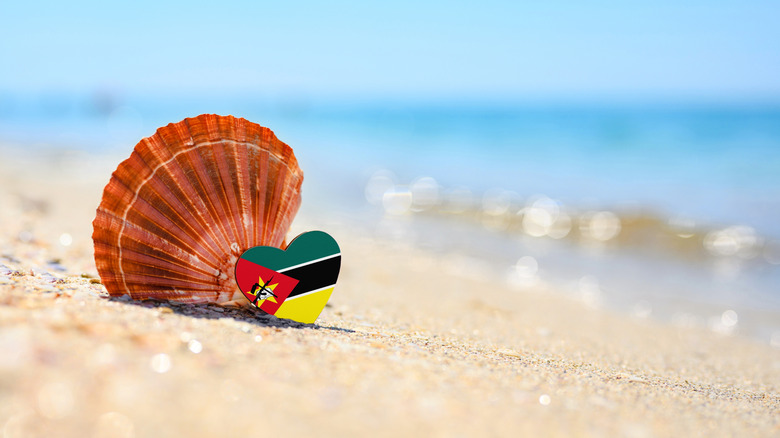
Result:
<point x="177" y="214"/>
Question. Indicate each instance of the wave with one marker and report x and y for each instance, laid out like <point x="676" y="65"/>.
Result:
<point x="542" y="217"/>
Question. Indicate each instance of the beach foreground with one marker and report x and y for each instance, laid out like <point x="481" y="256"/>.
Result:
<point x="410" y="344"/>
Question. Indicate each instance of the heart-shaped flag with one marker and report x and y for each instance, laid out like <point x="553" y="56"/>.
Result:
<point x="295" y="283"/>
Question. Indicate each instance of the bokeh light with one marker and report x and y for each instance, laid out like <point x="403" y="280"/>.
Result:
<point x="160" y="363"/>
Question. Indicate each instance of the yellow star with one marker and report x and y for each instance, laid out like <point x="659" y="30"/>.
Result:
<point x="271" y="288"/>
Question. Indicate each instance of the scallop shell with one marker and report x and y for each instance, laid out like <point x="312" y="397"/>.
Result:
<point x="178" y="213"/>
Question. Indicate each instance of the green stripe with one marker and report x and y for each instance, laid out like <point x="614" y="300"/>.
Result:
<point x="304" y="248"/>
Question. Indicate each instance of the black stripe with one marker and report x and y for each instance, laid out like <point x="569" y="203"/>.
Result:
<point x="315" y="276"/>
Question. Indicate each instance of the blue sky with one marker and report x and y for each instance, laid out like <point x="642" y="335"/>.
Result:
<point x="717" y="49"/>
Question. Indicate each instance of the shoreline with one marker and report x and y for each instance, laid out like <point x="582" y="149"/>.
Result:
<point x="444" y="352"/>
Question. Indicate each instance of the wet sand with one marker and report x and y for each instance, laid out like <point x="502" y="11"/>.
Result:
<point x="410" y="344"/>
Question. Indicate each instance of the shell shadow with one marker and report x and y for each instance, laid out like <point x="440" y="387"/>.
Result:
<point x="213" y="311"/>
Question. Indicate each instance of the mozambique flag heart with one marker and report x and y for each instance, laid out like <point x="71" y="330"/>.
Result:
<point x="295" y="283"/>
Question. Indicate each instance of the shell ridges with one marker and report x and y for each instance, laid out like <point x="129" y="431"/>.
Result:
<point x="178" y="213"/>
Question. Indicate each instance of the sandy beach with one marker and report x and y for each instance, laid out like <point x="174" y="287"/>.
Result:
<point x="444" y="352"/>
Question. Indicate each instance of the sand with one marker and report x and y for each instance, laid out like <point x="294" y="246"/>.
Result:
<point x="410" y="344"/>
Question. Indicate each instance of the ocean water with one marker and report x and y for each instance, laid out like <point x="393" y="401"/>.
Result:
<point x="662" y="211"/>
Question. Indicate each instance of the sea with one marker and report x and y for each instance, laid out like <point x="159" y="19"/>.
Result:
<point x="663" y="211"/>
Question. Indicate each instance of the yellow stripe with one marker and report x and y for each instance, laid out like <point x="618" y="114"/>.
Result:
<point x="305" y="308"/>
